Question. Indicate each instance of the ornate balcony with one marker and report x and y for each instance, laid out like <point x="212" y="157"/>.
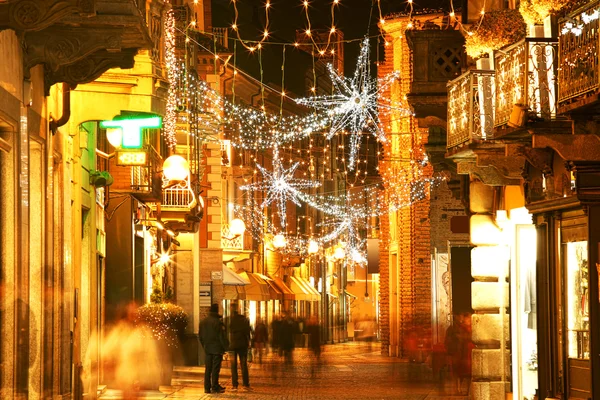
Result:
<point x="178" y="198"/>
<point x="145" y="180"/>
<point x="525" y="75"/>
<point x="578" y="72"/>
<point x="230" y="242"/>
<point x="470" y="108"/>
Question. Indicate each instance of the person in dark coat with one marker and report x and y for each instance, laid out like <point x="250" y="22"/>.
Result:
<point x="239" y="333"/>
<point x="214" y="341"/>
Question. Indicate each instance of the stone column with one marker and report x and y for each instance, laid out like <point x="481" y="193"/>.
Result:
<point x="489" y="268"/>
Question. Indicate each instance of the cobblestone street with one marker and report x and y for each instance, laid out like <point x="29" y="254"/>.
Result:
<point x="346" y="371"/>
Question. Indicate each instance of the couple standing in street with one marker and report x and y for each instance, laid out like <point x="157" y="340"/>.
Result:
<point x="215" y="341"/>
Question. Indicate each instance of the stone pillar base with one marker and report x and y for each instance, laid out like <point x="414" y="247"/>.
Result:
<point x="488" y="390"/>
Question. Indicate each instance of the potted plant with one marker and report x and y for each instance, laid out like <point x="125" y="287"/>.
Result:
<point x="166" y="322"/>
<point x="496" y="29"/>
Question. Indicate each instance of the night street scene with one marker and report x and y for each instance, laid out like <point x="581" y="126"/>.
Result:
<point x="300" y="199"/>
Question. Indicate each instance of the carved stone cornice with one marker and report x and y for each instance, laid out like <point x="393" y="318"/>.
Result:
<point x="33" y="15"/>
<point x="89" y="68"/>
<point x="577" y="147"/>
<point x="62" y="45"/>
<point x="509" y="167"/>
<point x="587" y="181"/>
<point x="540" y="159"/>
<point x="487" y="174"/>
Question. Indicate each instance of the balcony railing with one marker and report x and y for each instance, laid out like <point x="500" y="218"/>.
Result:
<point x="143" y="177"/>
<point x="578" y="72"/>
<point x="180" y="197"/>
<point x="525" y="75"/>
<point x="228" y="241"/>
<point x="222" y="36"/>
<point x="470" y="107"/>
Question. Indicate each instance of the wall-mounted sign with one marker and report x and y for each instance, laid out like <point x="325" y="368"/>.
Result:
<point x="216" y="275"/>
<point x="130" y="130"/>
<point x="132" y="158"/>
<point x="205" y="294"/>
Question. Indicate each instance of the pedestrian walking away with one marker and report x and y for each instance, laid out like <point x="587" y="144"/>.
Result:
<point x="239" y="334"/>
<point x="260" y="339"/>
<point x="213" y="338"/>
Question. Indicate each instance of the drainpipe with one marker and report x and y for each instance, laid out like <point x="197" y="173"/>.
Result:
<point x="66" y="110"/>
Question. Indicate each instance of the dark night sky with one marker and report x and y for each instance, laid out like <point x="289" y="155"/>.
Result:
<point x="287" y="16"/>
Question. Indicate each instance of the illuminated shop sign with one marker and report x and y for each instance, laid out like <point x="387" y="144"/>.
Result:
<point x="126" y="133"/>
<point x="132" y="158"/>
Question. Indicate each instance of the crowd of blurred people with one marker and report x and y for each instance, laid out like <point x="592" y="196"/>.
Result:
<point x="132" y="360"/>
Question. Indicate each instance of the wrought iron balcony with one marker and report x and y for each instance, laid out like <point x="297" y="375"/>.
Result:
<point x="179" y="197"/>
<point x="525" y="75"/>
<point x="230" y="242"/>
<point x="145" y="180"/>
<point x="578" y="46"/>
<point x="470" y="108"/>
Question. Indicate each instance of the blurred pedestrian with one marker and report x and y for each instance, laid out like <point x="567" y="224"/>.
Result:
<point x="260" y="339"/>
<point x="458" y="348"/>
<point x="129" y="356"/>
<point x="214" y="341"/>
<point x="313" y="329"/>
<point x="239" y="332"/>
<point x="289" y="329"/>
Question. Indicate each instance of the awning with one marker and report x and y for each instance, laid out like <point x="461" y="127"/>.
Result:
<point x="274" y="292"/>
<point x="311" y="289"/>
<point x="301" y="291"/>
<point x="288" y="294"/>
<point x="258" y="289"/>
<point x="230" y="278"/>
<point x="350" y="294"/>
<point x="231" y="292"/>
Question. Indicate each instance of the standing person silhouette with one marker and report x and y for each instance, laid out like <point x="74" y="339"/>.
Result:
<point x="214" y="341"/>
<point x="239" y="332"/>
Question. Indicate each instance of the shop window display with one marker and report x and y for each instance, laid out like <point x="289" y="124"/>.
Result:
<point x="578" y="321"/>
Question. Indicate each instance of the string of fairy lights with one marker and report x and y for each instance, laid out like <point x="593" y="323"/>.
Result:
<point x="334" y="125"/>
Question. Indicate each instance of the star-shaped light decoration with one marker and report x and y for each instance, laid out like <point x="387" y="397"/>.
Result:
<point x="356" y="103"/>
<point x="281" y="185"/>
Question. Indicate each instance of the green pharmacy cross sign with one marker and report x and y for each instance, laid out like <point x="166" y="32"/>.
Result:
<point x="130" y="129"/>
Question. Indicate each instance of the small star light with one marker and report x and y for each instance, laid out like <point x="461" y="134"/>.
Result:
<point x="281" y="185"/>
<point x="356" y="103"/>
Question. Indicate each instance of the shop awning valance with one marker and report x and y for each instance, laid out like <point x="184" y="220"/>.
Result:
<point x="301" y="290"/>
<point x="258" y="289"/>
<point x="230" y="278"/>
<point x="288" y="294"/>
<point x="311" y="288"/>
<point x="231" y="292"/>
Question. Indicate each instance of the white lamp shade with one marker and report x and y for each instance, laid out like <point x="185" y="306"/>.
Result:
<point x="237" y="227"/>
<point x="279" y="241"/>
<point x="339" y="253"/>
<point x="176" y="168"/>
<point x="114" y="136"/>
<point x="313" y="247"/>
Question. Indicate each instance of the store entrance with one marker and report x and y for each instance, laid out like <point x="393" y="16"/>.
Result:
<point x="461" y="279"/>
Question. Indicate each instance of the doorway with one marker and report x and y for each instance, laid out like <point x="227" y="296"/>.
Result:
<point x="460" y="279"/>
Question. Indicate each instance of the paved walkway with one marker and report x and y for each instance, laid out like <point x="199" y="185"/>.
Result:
<point x="346" y="371"/>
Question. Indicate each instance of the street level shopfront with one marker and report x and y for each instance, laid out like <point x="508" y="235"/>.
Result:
<point x="568" y="235"/>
